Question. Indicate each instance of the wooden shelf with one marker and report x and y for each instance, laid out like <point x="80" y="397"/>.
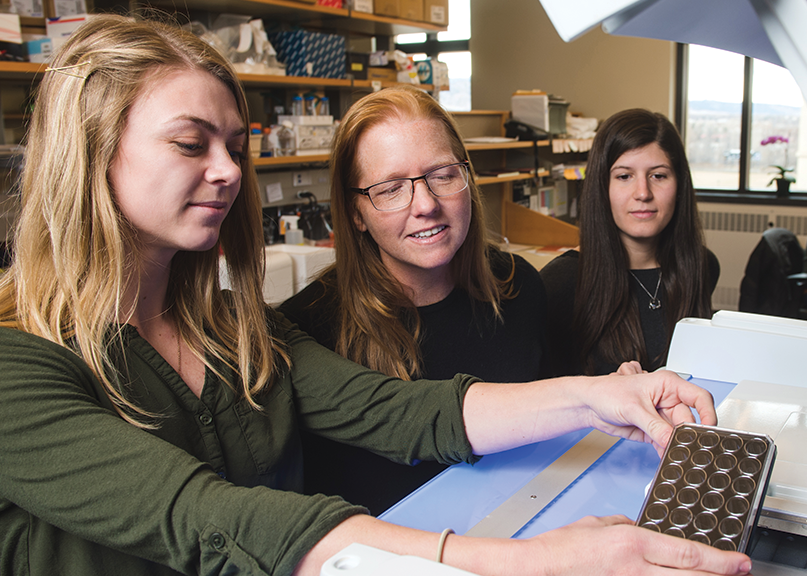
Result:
<point x="483" y="180"/>
<point x="290" y="160"/>
<point x="28" y="70"/>
<point x="257" y="80"/>
<point x="20" y="70"/>
<point x="478" y="146"/>
<point x="310" y="15"/>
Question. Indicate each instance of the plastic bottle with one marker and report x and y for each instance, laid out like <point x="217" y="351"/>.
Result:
<point x="297" y="105"/>
<point x="266" y="143"/>
<point x="310" y="105"/>
<point x="285" y="140"/>
<point x="324" y="106"/>
<point x="255" y="139"/>
<point x="293" y="235"/>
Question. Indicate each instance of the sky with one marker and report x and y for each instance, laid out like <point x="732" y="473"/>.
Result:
<point x="718" y="75"/>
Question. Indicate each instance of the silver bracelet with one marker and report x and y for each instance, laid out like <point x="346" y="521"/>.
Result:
<point x="442" y="543"/>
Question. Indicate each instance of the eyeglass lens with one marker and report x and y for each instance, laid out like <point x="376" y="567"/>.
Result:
<point x="395" y="194"/>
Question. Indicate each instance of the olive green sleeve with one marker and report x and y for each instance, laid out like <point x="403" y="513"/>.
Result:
<point x="95" y="489"/>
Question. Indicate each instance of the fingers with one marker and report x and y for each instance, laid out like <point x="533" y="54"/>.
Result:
<point x="684" y="554"/>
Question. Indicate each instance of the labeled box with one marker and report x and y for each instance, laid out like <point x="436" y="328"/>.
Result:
<point x="310" y="54"/>
<point x="38" y="49"/>
<point x="386" y="7"/>
<point x="357" y="63"/>
<point x="58" y="29"/>
<point x="383" y="74"/>
<point x="410" y="9"/>
<point x="32" y="8"/>
<point x="436" y="11"/>
<point x="362" y="6"/>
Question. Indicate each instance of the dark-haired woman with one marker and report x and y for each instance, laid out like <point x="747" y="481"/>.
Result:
<point x="642" y="263"/>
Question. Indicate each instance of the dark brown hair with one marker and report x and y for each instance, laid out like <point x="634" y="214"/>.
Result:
<point x="606" y="316"/>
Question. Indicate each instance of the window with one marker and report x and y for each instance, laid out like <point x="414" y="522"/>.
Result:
<point x="743" y="117"/>
<point x="450" y="47"/>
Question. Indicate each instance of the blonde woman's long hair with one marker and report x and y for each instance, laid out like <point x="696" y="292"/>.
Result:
<point x="73" y="250"/>
<point x="378" y="325"/>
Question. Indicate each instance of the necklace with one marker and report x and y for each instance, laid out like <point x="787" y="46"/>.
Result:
<point x="655" y="303"/>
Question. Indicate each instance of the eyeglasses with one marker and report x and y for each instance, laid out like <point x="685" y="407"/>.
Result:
<point x="397" y="194"/>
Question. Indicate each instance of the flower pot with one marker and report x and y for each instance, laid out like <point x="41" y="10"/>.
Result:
<point x="782" y="187"/>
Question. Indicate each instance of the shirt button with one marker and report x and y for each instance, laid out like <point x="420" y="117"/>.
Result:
<point x="206" y="419"/>
<point x="217" y="541"/>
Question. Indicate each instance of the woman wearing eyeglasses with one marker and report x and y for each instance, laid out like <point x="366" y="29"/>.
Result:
<point x="417" y="290"/>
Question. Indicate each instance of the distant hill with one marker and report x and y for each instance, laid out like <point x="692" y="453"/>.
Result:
<point x="735" y="108"/>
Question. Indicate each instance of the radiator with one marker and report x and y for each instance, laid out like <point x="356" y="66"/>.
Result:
<point x="733" y="231"/>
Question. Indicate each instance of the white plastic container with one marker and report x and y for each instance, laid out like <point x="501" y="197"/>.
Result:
<point x="308" y="261"/>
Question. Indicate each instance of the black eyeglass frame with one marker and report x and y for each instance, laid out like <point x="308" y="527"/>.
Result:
<point x="464" y="163"/>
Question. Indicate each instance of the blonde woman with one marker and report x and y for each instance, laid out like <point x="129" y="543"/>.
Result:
<point x="149" y="422"/>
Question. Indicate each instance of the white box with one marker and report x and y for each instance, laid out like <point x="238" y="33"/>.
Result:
<point x="31" y="8"/>
<point x="362" y="6"/>
<point x="308" y="261"/>
<point x="69" y="7"/>
<point x="39" y="48"/>
<point x="278" y="280"/>
<point x="58" y="29"/>
<point x="307" y="120"/>
<point x="10" y="30"/>
<point x="532" y="109"/>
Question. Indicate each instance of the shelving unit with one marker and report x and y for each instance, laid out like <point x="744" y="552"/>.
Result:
<point x="518" y="224"/>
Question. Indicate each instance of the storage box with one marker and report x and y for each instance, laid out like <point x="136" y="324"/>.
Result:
<point x="33" y="8"/>
<point x="383" y="74"/>
<point x="410" y="9"/>
<point x="386" y="7"/>
<point x="311" y="54"/>
<point x="436" y="11"/>
<point x="531" y="107"/>
<point x="58" y="29"/>
<point x="312" y="134"/>
<point x="59" y="8"/>
<point x="38" y="49"/>
<point x="357" y="63"/>
<point x="362" y="6"/>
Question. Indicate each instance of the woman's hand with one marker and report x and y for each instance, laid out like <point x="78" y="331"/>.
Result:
<point x="603" y="546"/>
<point x="612" y="545"/>
<point x="642" y="407"/>
<point x="646" y="407"/>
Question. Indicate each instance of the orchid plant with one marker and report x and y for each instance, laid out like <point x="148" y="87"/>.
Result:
<point x="781" y="171"/>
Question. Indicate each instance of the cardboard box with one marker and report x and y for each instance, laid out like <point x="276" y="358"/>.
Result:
<point x="32" y="8"/>
<point x="410" y="9"/>
<point x="58" y="29"/>
<point x="362" y="6"/>
<point x="10" y="30"/>
<point x="38" y="49"/>
<point x="383" y="74"/>
<point x="310" y="54"/>
<point x="531" y="107"/>
<point x="357" y="63"/>
<point x="386" y="7"/>
<point x="59" y="8"/>
<point x="436" y="11"/>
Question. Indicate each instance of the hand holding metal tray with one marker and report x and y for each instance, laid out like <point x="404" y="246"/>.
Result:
<point x="710" y="485"/>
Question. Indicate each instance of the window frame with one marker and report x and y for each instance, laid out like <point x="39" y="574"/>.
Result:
<point x="742" y="195"/>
